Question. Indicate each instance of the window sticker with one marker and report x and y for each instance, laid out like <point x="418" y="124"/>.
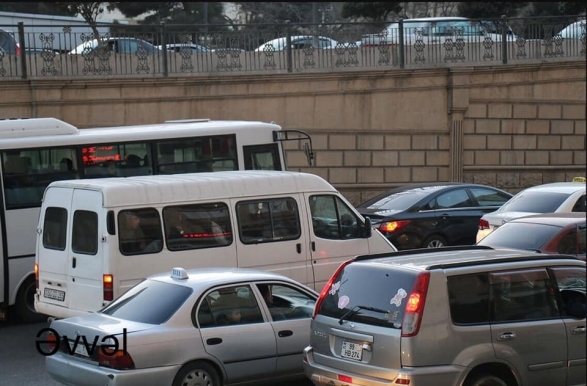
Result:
<point x="334" y="288"/>
<point x="343" y="301"/>
<point x="397" y="299"/>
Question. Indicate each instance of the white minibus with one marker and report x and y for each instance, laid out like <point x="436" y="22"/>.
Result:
<point x="98" y="237"/>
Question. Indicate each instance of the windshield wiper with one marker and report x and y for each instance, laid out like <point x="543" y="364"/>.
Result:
<point x="356" y="309"/>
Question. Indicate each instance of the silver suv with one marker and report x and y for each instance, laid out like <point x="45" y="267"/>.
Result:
<point x="472" y="316"/>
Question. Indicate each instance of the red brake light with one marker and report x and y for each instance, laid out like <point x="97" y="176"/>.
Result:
<point x="108" y="285"/>
<point x="345" y="379"/>
<point x="17" y="49"/>
<point x="51" y="341"/>
<point x="37" y="275"/>
<point x="392" y="226"/>
<point x="120" y="360"/>
<point x="415" y="305"/>
<point x="402" y="381"/>
<point x="483" y="224"/>
<point x="327" y="287"/>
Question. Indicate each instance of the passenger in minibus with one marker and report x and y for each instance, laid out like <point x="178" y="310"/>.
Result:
<point x="132" y="238"/>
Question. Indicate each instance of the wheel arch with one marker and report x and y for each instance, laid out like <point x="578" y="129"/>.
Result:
<point x="500" y="369"/>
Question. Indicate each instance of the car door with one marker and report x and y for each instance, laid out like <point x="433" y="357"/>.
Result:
<point x="289" y="313"/>
<point x="456" y="218"/>
<point x="571" y="287"/>
<point x="335" y="234"/>
<point x="526" y="328"/>
<point x="245" y="348"/>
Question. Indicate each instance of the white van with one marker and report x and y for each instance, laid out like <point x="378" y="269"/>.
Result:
<point x="99" y="237"/>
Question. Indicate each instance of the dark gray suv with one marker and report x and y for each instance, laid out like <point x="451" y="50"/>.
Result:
<point x="464" y="316"/>
<point x="8" y="43"/>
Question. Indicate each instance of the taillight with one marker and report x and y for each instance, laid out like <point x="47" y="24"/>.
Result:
<point x="119" y="360"/>
<point x="51" y="342"/>
<point x="415" y="305"/>
<point x="345" y="378"/>
<point x="108" y="285"/>
<point x="402" y="381"/>
<point x="392" y="226"/>
<point x="483" y="224"/>
<point x="17" y="49"/>
<point x="327" y="288"/>
<point x="37" y="275"/>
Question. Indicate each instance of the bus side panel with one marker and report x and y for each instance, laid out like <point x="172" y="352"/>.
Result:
<point x="286" y="257"/>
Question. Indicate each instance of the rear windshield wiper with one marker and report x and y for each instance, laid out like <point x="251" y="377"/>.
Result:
<point x="357" y="308"/>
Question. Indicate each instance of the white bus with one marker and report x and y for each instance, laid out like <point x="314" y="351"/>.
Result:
<point x="35" y="152"/>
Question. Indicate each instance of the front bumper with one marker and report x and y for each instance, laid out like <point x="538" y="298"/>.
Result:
<point x="415" y="376"/>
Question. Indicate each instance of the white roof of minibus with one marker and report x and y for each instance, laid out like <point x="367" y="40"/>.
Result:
<point x="178" y="188"/>
<point x="35" y="132"/>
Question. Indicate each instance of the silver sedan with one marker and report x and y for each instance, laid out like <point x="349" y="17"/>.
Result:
<point x="214" y="326"/>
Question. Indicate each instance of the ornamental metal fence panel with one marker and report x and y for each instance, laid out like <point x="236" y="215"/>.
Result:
<point x="43" y="51"/>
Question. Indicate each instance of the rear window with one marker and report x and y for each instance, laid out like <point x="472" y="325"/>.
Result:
<point x="359" y="285"/>
<point x="520" y="236"/>
<point x="535" y="202"/>
<point x="151" y="302"/>
<point x="396" y="201"/>
<point x="55" y="228"/>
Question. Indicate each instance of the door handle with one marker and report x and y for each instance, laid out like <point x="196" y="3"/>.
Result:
<point x="299" y="247"/>
<point x="507" y="336"/>
<point x="313" y="246"/>
<point x="284" y="333"/>
<point x="73" y="262"/>
<point x="214" y="341"/>
<point x="578" y="330"/>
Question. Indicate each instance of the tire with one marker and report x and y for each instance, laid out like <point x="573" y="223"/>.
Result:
<point x="25" y="303"/>
<point x="197" y="373"/>
<point x="434" y="241"/>
<point x="486" y="380"/>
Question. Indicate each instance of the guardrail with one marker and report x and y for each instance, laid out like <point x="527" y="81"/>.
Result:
<point x="192" y="50"/>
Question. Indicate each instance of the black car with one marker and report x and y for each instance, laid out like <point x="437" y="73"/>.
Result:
<point x="432" y="215"/>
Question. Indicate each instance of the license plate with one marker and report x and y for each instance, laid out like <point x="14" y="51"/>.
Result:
<point x="80" y="349"/>
<point x="54" y="294"/>
<point x="351" y="350"/>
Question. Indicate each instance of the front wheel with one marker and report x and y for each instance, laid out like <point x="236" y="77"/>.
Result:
<point x="486" y="380"/>
<point x="434" y="241"/>
<point x="197" y="373"/>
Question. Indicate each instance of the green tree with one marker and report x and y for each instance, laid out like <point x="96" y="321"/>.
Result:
<point x="372" y="10"/>
<point x="186" y="12"/>
<point x="489" y="10"/>
<point x="573" y="8"/>
<point x="88" y="10"/>
<point x="45" y="8"/>
<point x="277" y="12"/>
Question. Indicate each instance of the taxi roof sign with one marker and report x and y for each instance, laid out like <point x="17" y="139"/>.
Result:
<point x="580" y="179"/>
<point x="179" y="273"/>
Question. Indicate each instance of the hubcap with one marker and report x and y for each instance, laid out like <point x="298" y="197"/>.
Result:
<point x="197" y="378"/>
<point x="435" y="244"/>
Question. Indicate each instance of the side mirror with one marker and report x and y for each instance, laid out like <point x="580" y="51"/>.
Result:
<point x="368" y="229"/>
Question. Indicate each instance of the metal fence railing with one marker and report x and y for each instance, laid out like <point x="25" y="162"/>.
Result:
<point x="43" y="51"/>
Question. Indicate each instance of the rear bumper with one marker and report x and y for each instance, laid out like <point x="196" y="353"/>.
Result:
<point x="55" y="310"/>
<point x="418" y="376"/>
<point x="73" y="372"/>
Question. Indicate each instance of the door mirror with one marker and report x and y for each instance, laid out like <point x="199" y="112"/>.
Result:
<point x="368" y="229"/>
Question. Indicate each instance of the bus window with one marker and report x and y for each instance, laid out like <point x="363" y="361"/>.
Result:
<point x="262" y="157"/>
<point x="116" y="160"/>
<point x="85" y="232"/>
<point x="268" y="220"/>
<point x="197" y="226"/>
<point x="55" y="228"/>
<point x="139" y="231"/>
<point x="195" y="155"/>
<point x="28" y="172"/>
